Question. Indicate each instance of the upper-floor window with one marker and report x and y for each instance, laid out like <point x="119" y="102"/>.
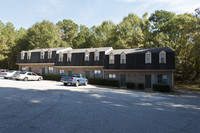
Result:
<point x="42" y="54"/>
<point x="22" y="55"/>
<point x="162" y="57"/>
<point x="111" y="58"/>
<point x="96" y="55"/>
<point x="49" y="54"/>
<point x="28" y="55"/>
<point x="148" y="57"/>
<point x="123" y="58"/>
<point x="60" y="57"/>
<point x="69" y="56"/>
<point x="87" y="56"/>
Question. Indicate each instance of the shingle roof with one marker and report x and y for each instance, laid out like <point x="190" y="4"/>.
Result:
<point x="52" y="49"/>
<point x="106" y="49"/>
<point x="140" y="50"/>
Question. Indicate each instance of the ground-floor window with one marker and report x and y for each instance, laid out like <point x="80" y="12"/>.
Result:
<point x="61" y="72"/>
<point x="43" y="70"/>
<point x="30" y="69"/>
<point x="162" y="79"/>
<point x="112" y="76"/>
<point x="97" y="74"/>
<point x="23" y="69"/>
<point x="50" y="70"/>
<point x="87" y="73"/>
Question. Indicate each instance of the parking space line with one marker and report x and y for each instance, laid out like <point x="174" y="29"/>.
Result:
<point x="149" y="94"/>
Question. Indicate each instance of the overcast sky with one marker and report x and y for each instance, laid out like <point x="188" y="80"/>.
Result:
<point x="24" y="13"/>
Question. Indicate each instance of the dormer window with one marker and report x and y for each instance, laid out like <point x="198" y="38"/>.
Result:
<point x="69" y="56"/>
<point x="96" y="55"/>
<point x="28" y="55"/>
<point x="162" y="57"/>
<point x="22" y="55"/>
<point x="42" y="54"/>
<point x="148" y="57"/>
<point x="123" y="58"/>
<point x="87" y="56"/>
<point x="49" y="54"/>
<point x="111" y="58"/>
<point x="60" y="56"/>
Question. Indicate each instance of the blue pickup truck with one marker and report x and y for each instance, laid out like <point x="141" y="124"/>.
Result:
<point x="76" y="80"/>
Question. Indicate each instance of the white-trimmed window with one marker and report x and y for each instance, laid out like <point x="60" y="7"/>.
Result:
<point x="69" y="56"/>
<point x="96" y="55"/>
<point x="162" y="79"/>
<point x="22" y="55"/>
<point x="60" y="57"/>
<point x="23" y="68"/>
<point x="61" y="72"/>
<point x="51" y="70"/>
<point x="97" y="74"/>
<point x="41" y="54"/>
<point x="28" y="55"/>
<point x="148" y="57"/>
<point x="87" y="55"/>
<point x="111" y="58"/>
<point x="112" y="76"/>
<point x="123" y="58"/>
<point x="49" y="54"/>
<point x="162" y="57"/>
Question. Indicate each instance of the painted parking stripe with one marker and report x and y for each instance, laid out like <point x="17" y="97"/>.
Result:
<point x="149" y="94"/>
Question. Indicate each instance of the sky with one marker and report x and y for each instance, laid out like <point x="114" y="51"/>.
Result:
<point x="25" y="13"/>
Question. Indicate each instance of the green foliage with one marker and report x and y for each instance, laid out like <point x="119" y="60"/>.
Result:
<point x="141" y="86"/>
<point x="51" y="77"/>
<point x="130" y="85"/>
<point x="161" y="88"/>
<point x="106" y="82"/>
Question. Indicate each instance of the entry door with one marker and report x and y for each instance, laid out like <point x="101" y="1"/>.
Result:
<point x="43" y="70"/>
<point x="123" y="80"/>
<point x="147" y="81"/>
<point x="87" y="74"/>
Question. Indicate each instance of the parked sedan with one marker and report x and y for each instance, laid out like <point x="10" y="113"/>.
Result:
<point x="3" y="72"/>
<point x="8" y="75"/>
<point x="27" y="76"/>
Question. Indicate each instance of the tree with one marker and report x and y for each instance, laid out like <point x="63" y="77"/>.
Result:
<point x="43" y="35"/>
<point x="129" y="32"/>
<point x="68" y="30"/>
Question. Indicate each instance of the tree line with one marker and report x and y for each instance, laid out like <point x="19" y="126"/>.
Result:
<point x="162" y="28"/>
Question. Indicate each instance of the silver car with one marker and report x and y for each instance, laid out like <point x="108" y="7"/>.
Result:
<point x="27" y="76"/>
<point x="8" y="75"/>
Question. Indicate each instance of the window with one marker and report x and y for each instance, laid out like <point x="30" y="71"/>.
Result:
<point x="23" y="68"/>
<point x="69" y="56"/>
<point x="87" y="73"/>
<point x="111" y="58"/>
<point x="162" y="79"/>
<point x="42" y="54"/>
<point x="61" y="72"/>
<point x="28" y="55"/>
<point x="148" y="57"/>
<point x="162" y="57"/>
<point x="50" y="70"/>
<point x="97" y="73"/>
<point x="60" y="57"/>
<point x="49" y="54"/>
<point x="112" y="76"/>
<point x="86" y="56"/>
<point x="123" y="58"/>
<point x="96" y="55"/>
<point x="30" y="69"/>
<point x="22" y="55"/>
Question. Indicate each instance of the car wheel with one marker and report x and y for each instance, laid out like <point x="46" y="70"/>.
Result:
<point x="77" y="83"/>
<point x="39" y="79"/>
<point x="86" y="82"/>
<point x="65" y="84"/>
<point x="26" y="79"/>
<point x="5" y="78"/>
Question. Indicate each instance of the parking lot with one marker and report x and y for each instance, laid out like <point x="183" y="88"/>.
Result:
<point x="50" y="107"/>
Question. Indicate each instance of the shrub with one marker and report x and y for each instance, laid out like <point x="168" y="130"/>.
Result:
<point x="130" y="85"/>
<point x="51" y="77"/>
<point x="141" y="86"/>
<point x="161" y="88"/>
<point x="106" y="82"/>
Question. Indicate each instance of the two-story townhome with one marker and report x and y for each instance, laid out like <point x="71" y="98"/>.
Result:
<point x="148" y="65"/>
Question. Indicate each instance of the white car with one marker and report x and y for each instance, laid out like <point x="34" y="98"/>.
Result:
<point x="8" y="75"/>
<point x="3" y="72"/>
<point x="27" y="76"/>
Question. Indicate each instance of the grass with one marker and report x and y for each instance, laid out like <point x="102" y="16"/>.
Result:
<point x="187" y="86"/>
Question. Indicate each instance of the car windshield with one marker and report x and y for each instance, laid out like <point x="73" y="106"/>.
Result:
<point x="76" y="75"/>
<point x="17" y="72"/>
<point x="22" y="72"/>
<point x="11" y="71"/>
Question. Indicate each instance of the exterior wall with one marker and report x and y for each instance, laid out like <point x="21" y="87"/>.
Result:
<point x="139" y="76"/>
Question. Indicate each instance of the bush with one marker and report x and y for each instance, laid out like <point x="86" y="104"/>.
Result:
<point x="130" y="85"/>
<point x="51" y="77"/>
<point x="106" y="82"/>
<point x="141" y="86"/>
<point x="161" y="88"/>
